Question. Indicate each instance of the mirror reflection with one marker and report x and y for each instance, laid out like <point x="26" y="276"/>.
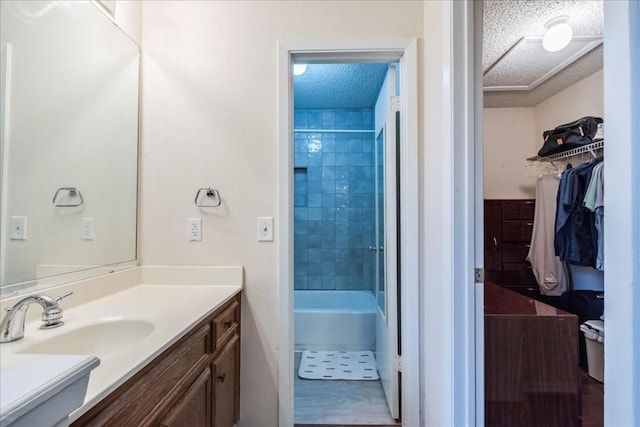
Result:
<point x="68" y="140"/>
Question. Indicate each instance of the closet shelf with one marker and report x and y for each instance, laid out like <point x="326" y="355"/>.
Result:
<point x="589" y="148"/>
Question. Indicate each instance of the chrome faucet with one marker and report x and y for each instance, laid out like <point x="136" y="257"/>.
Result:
<point x="12" y="327"/>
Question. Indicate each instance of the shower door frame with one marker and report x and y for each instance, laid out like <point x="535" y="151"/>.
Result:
<point x="405" y="51"/>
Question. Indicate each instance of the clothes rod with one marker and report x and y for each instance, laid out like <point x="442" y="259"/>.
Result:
<point x="334" y="131"/>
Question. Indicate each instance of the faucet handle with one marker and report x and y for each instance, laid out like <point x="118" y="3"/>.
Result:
<point x="52" y="315"/>
<point x="63" y="296"/>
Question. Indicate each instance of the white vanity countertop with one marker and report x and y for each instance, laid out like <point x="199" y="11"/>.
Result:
<point x="172" y="309"/>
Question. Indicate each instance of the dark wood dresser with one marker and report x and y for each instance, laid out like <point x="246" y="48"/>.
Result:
<point x="531" y="362"/>
<point x="507" y="235"/>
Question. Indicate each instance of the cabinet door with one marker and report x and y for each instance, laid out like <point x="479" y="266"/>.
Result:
<point x="194" y="408"/>
<point x="225" y="384"/>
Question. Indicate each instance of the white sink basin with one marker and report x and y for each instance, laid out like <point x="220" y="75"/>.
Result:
<point x="106" y="338"/>
<point x="41" y="390"/>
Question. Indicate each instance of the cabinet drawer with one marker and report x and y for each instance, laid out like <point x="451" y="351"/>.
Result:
<point x="515" y="251"/>
<point x="226" y="323"/>
<point x="518" y="209"/>
<point x="517" y="231"/>
<point x="517" y="274"/>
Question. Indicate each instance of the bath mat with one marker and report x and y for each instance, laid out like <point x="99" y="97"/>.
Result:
<point x="338" y="365"/>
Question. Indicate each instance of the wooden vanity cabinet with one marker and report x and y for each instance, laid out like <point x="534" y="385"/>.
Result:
<point x="196" y="382"/>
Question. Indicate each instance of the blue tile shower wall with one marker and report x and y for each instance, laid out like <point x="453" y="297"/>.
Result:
<point x="333" y="200"/>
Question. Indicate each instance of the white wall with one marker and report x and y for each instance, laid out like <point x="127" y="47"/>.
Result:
<point x="513" y="134"/>
<point x="210" y="119"/>
<point x="128" y="17"/>
<point x="509" y="138"/>
<point x="584" y="98"/>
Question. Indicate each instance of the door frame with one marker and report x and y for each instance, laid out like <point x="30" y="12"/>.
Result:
<point x="449" y="307"/>
<point x="404" y="50"/>
<point x="478" y="132"/>
<point x="622" y="238"/>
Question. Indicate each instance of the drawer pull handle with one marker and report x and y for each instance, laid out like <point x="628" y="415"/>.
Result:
<point x="527" y="246"/>
<point x="221" y="378"/>
<point x="227" y="324"/>
<point x="529" y="224"/>
<point x="495" y="243"/>
<point x="529" y="202"/>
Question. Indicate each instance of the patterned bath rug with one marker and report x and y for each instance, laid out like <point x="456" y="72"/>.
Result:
<point x="338" y="365"/>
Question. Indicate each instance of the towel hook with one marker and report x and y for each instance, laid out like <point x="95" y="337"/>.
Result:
<point x="211" y="193"/>
<point x="72" y="192"/>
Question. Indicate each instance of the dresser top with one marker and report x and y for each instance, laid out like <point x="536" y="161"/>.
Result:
<point x="502" y="301"/>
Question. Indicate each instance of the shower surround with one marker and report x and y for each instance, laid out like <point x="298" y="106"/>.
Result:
<point x="334" y="220"/>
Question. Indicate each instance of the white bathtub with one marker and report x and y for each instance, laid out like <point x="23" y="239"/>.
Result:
<point x="334" y="320"/>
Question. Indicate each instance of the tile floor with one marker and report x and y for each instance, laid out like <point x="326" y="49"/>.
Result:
<point x="339" y="402"/>
<point x="363" y="402"/>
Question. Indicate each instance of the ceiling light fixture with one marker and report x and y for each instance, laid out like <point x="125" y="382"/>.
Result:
<point x="558" y="34"/>
<point x="299" y="69"/>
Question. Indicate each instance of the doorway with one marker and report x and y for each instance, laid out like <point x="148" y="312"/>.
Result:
<point x="403" y="54"/>
<point x="345" y="243"/>
<point x="340" y="237"/>
<point x="519" y="217"/>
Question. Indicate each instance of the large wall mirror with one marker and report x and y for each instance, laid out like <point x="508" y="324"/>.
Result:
<point x="68" y="142"/>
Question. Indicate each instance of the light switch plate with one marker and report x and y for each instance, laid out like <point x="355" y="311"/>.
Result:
<point x="87" y="231"/>
<point x="265" y="229"/>
<point x="18" y="228"/>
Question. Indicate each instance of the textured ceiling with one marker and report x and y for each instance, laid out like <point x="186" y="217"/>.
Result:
<point x="505" y="22"/>
<point x="339" y="85"/>
<point x="508" y="72"/>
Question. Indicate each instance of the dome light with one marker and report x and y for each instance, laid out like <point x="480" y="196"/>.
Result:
<point x="299" y="69"/>
<point x="558" y="34"/>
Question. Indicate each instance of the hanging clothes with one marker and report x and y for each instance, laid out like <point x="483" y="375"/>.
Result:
<point x="576" y="237"/>
<point x="594" y="202"/>
<point x="550" y="272"/>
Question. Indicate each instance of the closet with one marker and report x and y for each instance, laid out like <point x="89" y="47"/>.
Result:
<point x="509" y="223"/>
<point x="572" y="228"/>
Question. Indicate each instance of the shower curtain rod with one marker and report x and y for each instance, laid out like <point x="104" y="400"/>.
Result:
<point x="334" y="130"/>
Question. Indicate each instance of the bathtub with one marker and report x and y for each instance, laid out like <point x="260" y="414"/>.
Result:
<point x="334" y="320"/>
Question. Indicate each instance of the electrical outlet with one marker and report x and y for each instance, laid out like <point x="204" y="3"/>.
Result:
<point x="195" y="229"/>
<point x="18" y="228"/>
<point x="88" y="229"/>
<point x="265" y="229"/>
